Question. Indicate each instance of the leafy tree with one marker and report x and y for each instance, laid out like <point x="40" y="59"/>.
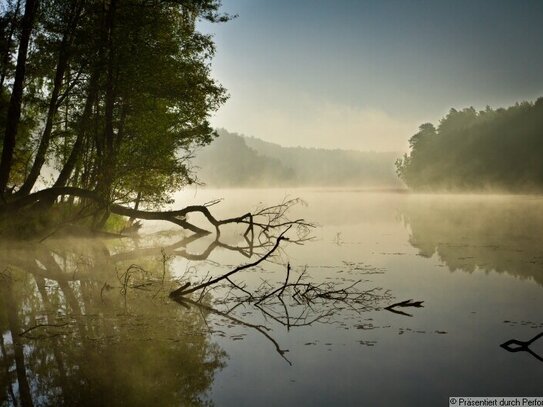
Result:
<point x="478" y="150"/>
<point x="118" y="112"/>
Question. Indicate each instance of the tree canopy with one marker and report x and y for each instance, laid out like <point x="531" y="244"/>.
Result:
<point x="478" y="150"/>
<point x="113" y="95"/>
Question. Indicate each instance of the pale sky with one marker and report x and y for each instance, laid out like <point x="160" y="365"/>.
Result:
<point x="365" y="74"/>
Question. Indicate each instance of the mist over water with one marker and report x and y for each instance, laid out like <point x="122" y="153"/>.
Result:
<point x="472" y="260"/>
<point x="476" y="262"/>
<point x="327" y="254"/>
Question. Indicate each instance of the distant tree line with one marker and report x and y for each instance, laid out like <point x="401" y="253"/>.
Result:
<point x="472" y="150"/>
<point x="229" y="162"/>
<point x="234" y="160"/>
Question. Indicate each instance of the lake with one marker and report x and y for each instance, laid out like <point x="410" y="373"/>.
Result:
<point x="89" y="321"/>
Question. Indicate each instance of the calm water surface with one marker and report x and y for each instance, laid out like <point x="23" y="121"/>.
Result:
<point x="89" y="322"/>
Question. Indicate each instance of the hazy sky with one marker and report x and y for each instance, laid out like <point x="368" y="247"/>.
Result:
<point x="365" y="74"/>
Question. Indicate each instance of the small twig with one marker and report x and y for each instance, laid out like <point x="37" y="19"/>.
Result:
<point x="43" y="326"/>
<point x="286" y="281"/>
<point x="240" y="288"/>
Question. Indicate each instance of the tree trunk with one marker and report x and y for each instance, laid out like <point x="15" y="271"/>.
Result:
<point x="14" y="110"/>
<point x="84" y="123"/>
<point x="39" y="160"/>
<point x="7" y="54"/>
<point x="105" y="143"/>
<point x="62" y="65"/>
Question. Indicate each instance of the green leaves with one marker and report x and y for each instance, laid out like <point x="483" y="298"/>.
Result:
<point x="143" y="70"/>
<point x="486" y="150"/>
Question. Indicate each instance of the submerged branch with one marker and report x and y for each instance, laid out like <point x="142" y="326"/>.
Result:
<point x="403" y="304"/>
<point x="181" y="291"/>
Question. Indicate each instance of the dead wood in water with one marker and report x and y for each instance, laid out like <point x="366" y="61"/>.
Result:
<point x="403" y="304"/>
<point x="317" y="301"/>
<point x="514" y="345"/>
<point x="260" y="223"/>
<point x="185" y="290"/>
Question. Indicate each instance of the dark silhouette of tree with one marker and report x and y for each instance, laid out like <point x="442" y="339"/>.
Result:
<point x="116" y="113"/>
<point x="478" y="150"/>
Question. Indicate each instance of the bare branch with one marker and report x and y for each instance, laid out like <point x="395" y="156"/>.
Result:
<point x="236" y="270"/>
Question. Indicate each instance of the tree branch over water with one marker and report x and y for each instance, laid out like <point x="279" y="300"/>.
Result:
<point x="265" y="219"/>
<point x="185" y="290"/>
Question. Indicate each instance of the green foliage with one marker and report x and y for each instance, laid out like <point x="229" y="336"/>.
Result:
<point x="486" y="150"/>
<point x="116" y="223"/>
<point x="132" y="100"/>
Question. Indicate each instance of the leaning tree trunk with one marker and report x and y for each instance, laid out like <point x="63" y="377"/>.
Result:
<point x="14" y="109"/>
<point x="39" y="160"/>
<point x="84" y="124"/>
<point x="62" y="65"/>
<point x="105" y="141"/>
<point x="9" y="38"/>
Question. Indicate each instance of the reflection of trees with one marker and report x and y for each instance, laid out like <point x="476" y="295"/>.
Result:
<point x="487" y="233"/>
<point x="88" y="321"/>
<point x="69" y="338"/>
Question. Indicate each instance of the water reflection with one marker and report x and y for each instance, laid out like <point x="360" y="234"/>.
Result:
<point x="485" y="233"/>
<point x="514" y="345"/>
<point x="89" y="321"/>
<point x="70" y="336"/>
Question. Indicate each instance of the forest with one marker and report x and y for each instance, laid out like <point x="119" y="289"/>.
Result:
<point x="488" y="150"/>
<point x="101" y="105"/>
<point x="233" y="160"/>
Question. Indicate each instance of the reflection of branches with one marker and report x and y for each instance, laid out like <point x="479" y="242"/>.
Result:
<point x="260" y="328"/>
<point x="514" y="345"/>
<point x="318" y="301"/>
<point x="43" y="262"/>
<point x="262" y="232"/>
<point x="26" y="331"/>
<point x="301" y="292"/>
<point x="257" y="236"/>
<point x="83" y="284"/>
<point x="404" y="304"/>
<point x="186" y="291"/>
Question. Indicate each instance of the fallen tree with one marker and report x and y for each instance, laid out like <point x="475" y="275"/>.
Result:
<point x="265" y="219"/>
<point x="295" y="300"/>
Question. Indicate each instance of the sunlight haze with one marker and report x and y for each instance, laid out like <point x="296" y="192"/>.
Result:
<point x="365" y="74"/>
